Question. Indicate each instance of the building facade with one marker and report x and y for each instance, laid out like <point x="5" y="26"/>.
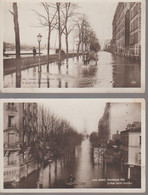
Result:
<point x="135" y="28"/>
<point x="131" y="151"/>
<point x="116" y="117"/>
<point x="20" y="127"/>
<point x="104" y="125"/>
<point x="120" y="25"/>
<point x="122" y="114"/>
<point x="126" y="25"/>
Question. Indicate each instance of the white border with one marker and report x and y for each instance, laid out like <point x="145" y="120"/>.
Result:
<point x="80" y="90"/>
<point x="80" y="190"/>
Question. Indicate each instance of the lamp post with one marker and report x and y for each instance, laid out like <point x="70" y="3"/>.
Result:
<point x="39" y="36"/>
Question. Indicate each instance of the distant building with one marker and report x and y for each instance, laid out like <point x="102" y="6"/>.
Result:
<point x="122" y="114"/>
<point x="104" y="125"/>
<point x="131" y="151"/>
<point x="116" y="137"/>
<point x="8" y="46"/>
<point x="20" y="127"/>
<point x="116" y="117"/>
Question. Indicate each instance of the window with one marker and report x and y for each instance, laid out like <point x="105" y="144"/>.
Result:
<point x="11" y="159"/>
<point x="11" y="138"/>
<point x="8" y="105"/>
<point x="10" y="121"/>
<point x="140" y="140"/>
<point x="23" y="106"/>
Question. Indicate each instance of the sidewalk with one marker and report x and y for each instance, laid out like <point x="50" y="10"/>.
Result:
<point x="9" y="65"/>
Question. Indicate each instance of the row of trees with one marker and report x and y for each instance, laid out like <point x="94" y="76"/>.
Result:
<point x="55" y="138"/>
<point x="65" y="18"/>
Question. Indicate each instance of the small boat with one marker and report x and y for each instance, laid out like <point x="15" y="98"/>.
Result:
<point x="70" y="181"/>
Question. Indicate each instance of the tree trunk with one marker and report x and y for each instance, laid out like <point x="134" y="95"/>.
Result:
<point x="78" y="48"/>
<point x="66" y="40"/>
<point x="16" y="29"/>
<point x="59" y="29"/>
<point x="50" y="174"/>
<point x="41" y="176"/>
<point x="17" y="45"/>
<point x="48" y="49"/>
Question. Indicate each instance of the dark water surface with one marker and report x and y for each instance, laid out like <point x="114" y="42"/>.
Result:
<point x="111" y="71"/>
<point x="87" y="173"/>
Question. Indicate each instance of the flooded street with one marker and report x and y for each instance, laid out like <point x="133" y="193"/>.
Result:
<point x="87" y="173"/>
<point x="110" y="71"/>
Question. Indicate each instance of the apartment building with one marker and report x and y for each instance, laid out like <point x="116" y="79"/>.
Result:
<point x="20" y="126"/>
<point x="131" y="150"/>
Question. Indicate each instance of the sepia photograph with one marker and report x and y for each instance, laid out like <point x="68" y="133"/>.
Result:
<point x="72" y="145"/>
<point x="83" y="46"/>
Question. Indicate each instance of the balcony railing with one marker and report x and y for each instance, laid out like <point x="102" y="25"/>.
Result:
<point x="12" y="126"/>
<point x="16" y="145"/>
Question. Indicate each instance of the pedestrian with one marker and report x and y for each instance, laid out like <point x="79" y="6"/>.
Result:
<point x="34" y="52"/>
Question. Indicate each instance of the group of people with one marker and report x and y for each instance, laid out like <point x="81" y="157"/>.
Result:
<point x="89" y="55"/>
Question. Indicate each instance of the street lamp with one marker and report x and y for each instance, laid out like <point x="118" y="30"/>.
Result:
<point x="39" y="36"/>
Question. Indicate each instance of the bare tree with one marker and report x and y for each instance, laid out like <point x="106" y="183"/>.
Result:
<point x="16" y="29"/>
<point x="79" y="32"/>
<point x="48" y="20"/>
<point x="68" y="12"/>
<point x="55" y="138"/>
<point x="17" y="44"/>
<point x="60" y="30"/>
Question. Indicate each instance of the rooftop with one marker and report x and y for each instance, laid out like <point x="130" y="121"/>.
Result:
<point x="132" y="130"/>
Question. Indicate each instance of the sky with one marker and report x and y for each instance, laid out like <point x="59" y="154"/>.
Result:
<point x="83" y="114"/>
<point x="99" y="14"/>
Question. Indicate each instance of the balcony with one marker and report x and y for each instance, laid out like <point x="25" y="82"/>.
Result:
<point x="12" y="146"/>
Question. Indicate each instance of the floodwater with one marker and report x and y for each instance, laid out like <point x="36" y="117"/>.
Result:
<point x="87" y="170"/>
<point x="111" y="71"/>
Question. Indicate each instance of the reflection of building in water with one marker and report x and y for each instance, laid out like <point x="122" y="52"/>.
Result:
<point x="20" y="126"/>
<point x="126" y="75"/>
<point x="131" y="151"/>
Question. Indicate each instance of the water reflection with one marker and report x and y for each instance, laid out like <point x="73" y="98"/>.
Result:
<point x="84" y="163"/>
<point x="110" y="71"/>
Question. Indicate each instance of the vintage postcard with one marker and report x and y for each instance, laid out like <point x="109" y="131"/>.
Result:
<point x="72" y="145"/>
<point x="72" y="46"/>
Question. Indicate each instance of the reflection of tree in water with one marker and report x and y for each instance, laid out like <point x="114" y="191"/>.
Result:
<point x="34" y="72"/>
<point x="39" y="79"/>
<point x="59" y="68"/>
<point x="67" y="65"/>
<point x="66" y="84"/>
<point x="48" y="81"/>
